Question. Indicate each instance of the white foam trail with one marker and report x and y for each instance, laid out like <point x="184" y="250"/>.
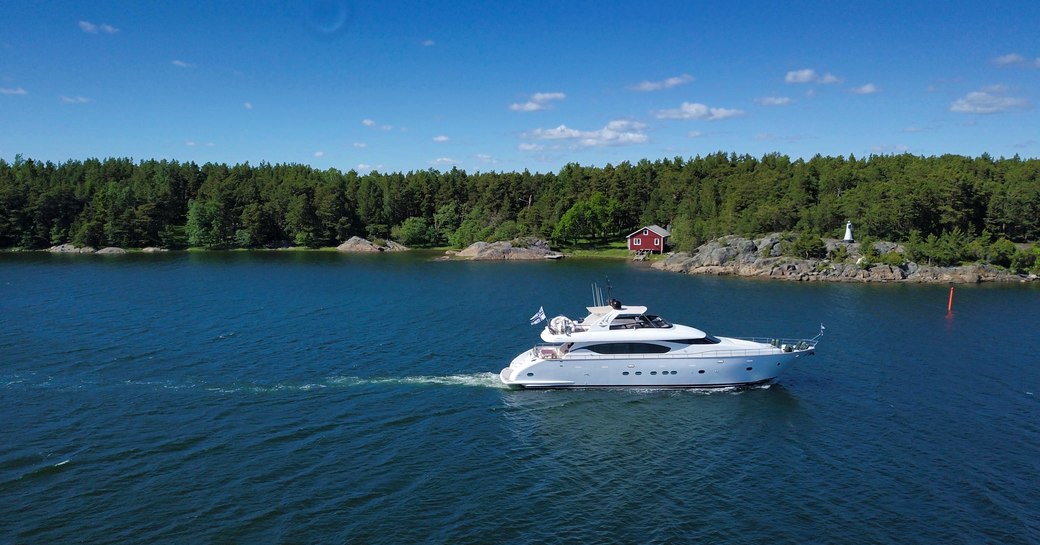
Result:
<point x="479" y="380"/>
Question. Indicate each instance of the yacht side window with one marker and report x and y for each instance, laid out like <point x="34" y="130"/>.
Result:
<point x="628" y="348"/>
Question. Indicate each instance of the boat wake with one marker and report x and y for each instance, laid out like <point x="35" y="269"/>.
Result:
<point x="477" y="380"/>
<point x="474" y="380"/>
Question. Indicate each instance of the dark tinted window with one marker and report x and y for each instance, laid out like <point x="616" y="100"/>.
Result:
<point x="706" y="340"/>
<point x="627" y="348"/>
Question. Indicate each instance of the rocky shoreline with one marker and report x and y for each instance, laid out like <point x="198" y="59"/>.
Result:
<point x="761" y="258"/>
<point x="726" y="256"/>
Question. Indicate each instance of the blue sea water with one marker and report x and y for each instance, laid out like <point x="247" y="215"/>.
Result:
<point x="315" y="397"/>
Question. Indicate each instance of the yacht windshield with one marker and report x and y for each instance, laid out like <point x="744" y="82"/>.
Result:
<point x="659" y="321"/>
<point x="638" y="322"/>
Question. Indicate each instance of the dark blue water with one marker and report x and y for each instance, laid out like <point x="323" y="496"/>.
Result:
<point x="302" y="398"/>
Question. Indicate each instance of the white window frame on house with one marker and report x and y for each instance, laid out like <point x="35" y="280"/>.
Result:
<point x="646" y="231"/>
<point x="657" y="242"/>
<point x="637" y="242"/>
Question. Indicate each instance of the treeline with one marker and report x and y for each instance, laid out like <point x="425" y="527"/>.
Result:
<point x="119" y="202"/>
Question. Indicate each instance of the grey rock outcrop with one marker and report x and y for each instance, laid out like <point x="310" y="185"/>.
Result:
<point x="70" y="249"/>
<point x="360" y="245"/>
<point x="111" y="250"/>
<point x="525" y="249"/>
<point x="734" y="255"/>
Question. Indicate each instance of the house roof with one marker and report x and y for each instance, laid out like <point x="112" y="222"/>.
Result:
<point x="657" y="229"/>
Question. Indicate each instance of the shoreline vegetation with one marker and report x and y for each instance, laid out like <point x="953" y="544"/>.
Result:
<point x="766" y="257"/>
<point x="942" y="211"/>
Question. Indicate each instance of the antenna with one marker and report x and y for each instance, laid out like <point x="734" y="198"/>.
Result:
<point x="609" y="288"/>
<point x="597" y="295"/>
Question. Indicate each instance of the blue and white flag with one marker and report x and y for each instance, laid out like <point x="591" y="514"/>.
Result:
<point x="538" y="316"/>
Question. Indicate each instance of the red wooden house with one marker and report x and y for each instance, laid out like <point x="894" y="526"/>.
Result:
<point x="651" y="238"/>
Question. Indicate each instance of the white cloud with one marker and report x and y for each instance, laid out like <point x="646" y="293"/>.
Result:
<point x="530" y="146"/>
<point x="441" y="138"/>
<point x="808" y="75"/>
<point x="91" y="28"/>
<point x="368" y="167"/>
<point x="319" y="154"/>
<point x="247" y="105"/>
<point x="443" y="161"/>
<point x="13" y="91"/>
<point x="695" y="134"/>
<point x="529" y="106"/>
<point x="668" y="83"/>
<point x="486" y="159"/>
<point x="359" y="145"/>
<point x="429" y="43"/>
<point x="544" y="97"/>
<point x="1014" y="59"/>
<point x="74" y="100"/>
<point x="616" y="133"/>
<point x="181" y="64"/>
<point x="538" y="101"/>
<point x="190" y="143"/>
<point x="1010" y="58"/>
<point x="867" y="89"/>
<point x="988" y="101"/>
<point x="372" y="124"/>
<point x="773" y="101"/>
<point x="696" y="110"/>
<point x="563" y="131"/>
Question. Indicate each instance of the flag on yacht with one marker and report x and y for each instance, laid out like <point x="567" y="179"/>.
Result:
<point x="538" y="316"/>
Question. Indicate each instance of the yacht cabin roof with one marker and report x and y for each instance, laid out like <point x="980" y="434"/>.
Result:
<point x="596" y="328"/>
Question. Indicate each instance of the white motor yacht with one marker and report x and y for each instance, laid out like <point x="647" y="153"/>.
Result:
<point x="618" y="345"/>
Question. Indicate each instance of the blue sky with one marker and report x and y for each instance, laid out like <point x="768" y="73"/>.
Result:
<point x="508" y="86"/>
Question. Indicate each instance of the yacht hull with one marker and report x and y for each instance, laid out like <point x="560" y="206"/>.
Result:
<point x="647" y="371"/>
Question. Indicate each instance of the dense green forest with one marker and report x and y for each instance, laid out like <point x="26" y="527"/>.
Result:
<point x="934" y="202"/>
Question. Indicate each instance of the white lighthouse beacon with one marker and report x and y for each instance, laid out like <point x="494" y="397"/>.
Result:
<point x="848" y="232"/>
